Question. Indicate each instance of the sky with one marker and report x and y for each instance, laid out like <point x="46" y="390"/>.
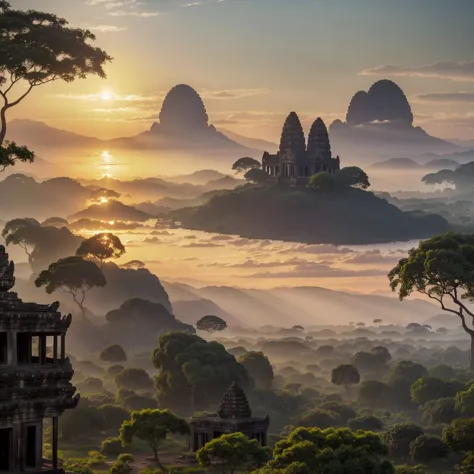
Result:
<point x="254" y="61"/>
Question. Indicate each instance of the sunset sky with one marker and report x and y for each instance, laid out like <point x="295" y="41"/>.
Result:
<point x="253" y="61"/>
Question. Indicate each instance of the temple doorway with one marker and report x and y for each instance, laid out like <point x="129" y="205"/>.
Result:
<point x="31" y="447"/>
<point x="5" y="448"/>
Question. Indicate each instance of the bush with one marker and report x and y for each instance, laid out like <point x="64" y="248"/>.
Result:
<point x="345" y="412"/>
<point x="399" y="438"/>
<point x="320" y="419"/>
<point x="112" y="447"/>
<point x="365" y="423"/>
<point x="120" y="468"/>
<point x="126" y="457"/>
<point x="113" y="353"/>
<point x="134" y="379"/>
<point x="427" y="448"/>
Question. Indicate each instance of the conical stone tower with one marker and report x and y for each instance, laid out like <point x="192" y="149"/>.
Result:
<point x="292" y="136"/>
<point x="318" y="140"/>
<point x="234" y="405"/>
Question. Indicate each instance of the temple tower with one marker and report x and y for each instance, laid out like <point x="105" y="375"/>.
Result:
<point x="318" y="140"/>
<point x="35" y="379"/>
<point x="292" y="135"/>
<point x="233" y="416"/>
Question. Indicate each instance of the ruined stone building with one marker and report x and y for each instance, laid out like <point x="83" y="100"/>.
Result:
<point x="295" y="162"/>
<point x="35" y="377"/>
<point x="234" y="416"/>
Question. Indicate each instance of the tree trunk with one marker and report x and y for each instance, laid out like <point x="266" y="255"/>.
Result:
<point x="471" y="365"/>
<point x="3" y="122"/>
<point x="158" y="463"/>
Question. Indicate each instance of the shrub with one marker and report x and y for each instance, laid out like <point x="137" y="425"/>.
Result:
<point x="426" y="448"/>
<point x="365" y="423"/>
<point x="126" y="457"/>
<point x="120" y="468"/>
<point x="112" y="447"/>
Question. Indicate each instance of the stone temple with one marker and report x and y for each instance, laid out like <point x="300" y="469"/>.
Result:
<point x="35" y="377"/>
<point x="234" y="416"/>
<point x="295" y="162"/>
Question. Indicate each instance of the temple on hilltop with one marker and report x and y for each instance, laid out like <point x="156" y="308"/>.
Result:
<point x="295" y="162"/>
<point x="234" y="416"/>
<point x="35" y="377"/>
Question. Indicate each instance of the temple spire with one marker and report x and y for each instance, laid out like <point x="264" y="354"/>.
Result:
<point x="234" y="405"/>
<point x="318" y="140"/>
<point x="292" y="136"/>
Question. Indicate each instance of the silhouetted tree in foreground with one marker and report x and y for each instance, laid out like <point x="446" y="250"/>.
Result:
<point x="103" y="246"/>
<point x="37" y="48"/>
<point x="74" y="275"/>
<point x="441" y="268"/>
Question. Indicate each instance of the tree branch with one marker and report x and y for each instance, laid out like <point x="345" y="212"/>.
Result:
<point x="16" y="102"/>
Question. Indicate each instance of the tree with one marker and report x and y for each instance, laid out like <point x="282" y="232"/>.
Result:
<point x="232" y="453"/>
<point x="113" y="353"/>
<point x="320" y="418"/>
<point x="438" y="411"/>
<point x="441" y="268"/>
<point x="442" y="331"/>
<point x="134" y="265"/>
<point x="431" y="388"/>
<point x="461" y="177"/>
<point x="114" y="416"/>
<point x="372" y="392"/>
<point x="382" y="353"/>
<point x="467" y="465"/>
<point x="152" y="427"/>
<point x="242" y="165"/>
<point x="322" y="182"/>
<point x="256" y="176"/>
<point x="426" y="448"/>
<point x="104" y="246"/>
<point x="211" y="324"/>
<point x="10" y="152"/>
<point x="399" y="438"/>
<point x="22" y="232"/>
<point x="345" y="412"/>
<point x="352" y="176"/>
<point x="459" y="436"/>
<point x="193" y="372"/>
<point x="311" y="450"/>
<point x="38" y="48"/>
<point x="74" y="275"/>
<point x="135" y="379"/>
<point x="346" y="375"/>
<point x="464" y="402"/>
<point x="365" y="423"/>
<point x="377" y="321"/>
<point x="259" y="368"/>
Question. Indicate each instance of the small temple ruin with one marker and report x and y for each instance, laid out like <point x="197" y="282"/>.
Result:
<point x="295" y="163"/>
<point x="35" y="377"/>
<point x="234" y="416"/>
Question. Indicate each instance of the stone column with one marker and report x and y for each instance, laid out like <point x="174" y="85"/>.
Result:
<point x="12" y="350"/>
<point x="55" y="349"/>
<point x="55" y="442"/>
<point x="63" y="347"/>
<point x="42" y="349"/>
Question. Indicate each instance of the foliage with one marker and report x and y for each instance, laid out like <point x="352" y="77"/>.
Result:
<point x="114" y="416"/>
<point x="370" y="362"/>
<point x="467" y="465"/>
<point x="79" y="422"/>
<point x="372" y="392"/>
<point x="365" y="423"/>
<point x="113" y="353"/>
<point x="103" y="246"/>
<point x="461" y="177"/>
<point x="194" y="372"/>
<point x="259" y="368"/>
<point x="152" y="426"/>
<point x="345" y="412"/>
<point x="459" y="436"/>
<point x="112" y="447"/>
<point x="308" y="450"/>
<point x="464" y="402"/>
<point x="74" y="275"/>
<point x="11" y="153"/>
<point x="399" y="438"/>
<point x="431" y="388"/>
<point x="114" y="370"/>
<point x="135" y="379"/>
<point x="211" y="324"/>
<point x="438" y="411"/>
<point x="322" y="182"/>
<point x="352" y="176"/>
<point x="38" y="48"/>
<point x="346" y="375"/>
<point x="382" y="353"/>
<point x="256" y="176"/>
<point x="320" y="418"/>
<point x="132" y="401"/>
<point x="242" y="165"/>
<point x="125" y="457"/>
<point x="426" y="448"/>
<point x="442" y="268"/>
<point x="231" y="453"/>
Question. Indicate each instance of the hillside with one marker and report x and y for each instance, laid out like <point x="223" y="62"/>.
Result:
<point x="347" y="216"/>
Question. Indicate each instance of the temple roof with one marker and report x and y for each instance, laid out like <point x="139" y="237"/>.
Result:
<point x="234" y="405"/>
<point x="7" y="269"/>
<point x="318" y="139"/>
<point x="292" y="136"/>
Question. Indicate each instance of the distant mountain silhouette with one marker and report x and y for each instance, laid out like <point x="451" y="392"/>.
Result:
<point x="396" y="163"/>
<point x="286" y="306"/>
<point x="442" y="164"/>
<point x="380" y="123"/>
<point x="254" y="143"/>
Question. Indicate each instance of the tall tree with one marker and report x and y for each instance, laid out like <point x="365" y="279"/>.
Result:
<point x="103" y="246"/>
<point x="346" y="375"/>
<point x="74" y="275"/>
<point x="441" y="268"/>
<point x="352" y="176"/>
<point x="38" y="48"/>
<point x="232" y="453"/>
<point x="152" y="426"/>
<point x="211" y="324"/>
<point x="242" y="165"/>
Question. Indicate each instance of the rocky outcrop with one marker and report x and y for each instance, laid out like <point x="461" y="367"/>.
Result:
<point x="384" y="102"/>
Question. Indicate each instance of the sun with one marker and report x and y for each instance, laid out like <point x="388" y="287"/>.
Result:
<point x="106" y="95"/>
